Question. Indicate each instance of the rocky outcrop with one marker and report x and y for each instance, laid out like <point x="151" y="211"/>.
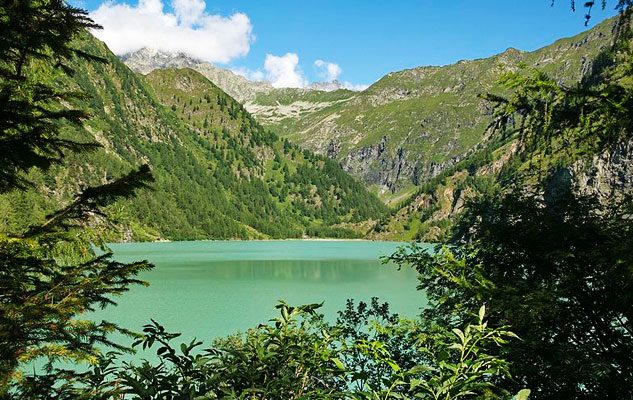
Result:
<point x="379" y="165"/>
<point x="327" y="86"/>
<point x="376" y="165"/>
<point x="608" y="175"/>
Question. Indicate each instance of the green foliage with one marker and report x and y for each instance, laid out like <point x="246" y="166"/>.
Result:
<point x="406" y="221"/>
<point x="456" y="366"/>
<point x="299" y="356"/>
<point x="558" y="270"/>
<point x="212" y="167"/>
<point x="362" y="327"/>
<point x="29" y="106"/>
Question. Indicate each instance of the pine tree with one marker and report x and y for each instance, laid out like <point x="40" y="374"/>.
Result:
<point x="45" y="287"/>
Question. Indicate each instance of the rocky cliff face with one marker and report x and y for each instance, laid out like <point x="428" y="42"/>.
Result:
<point x="608" y="175"/>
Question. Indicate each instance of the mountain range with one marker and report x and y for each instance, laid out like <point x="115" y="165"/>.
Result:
<point x="407" y="127"/>
<point x="219" y="174"/>
<point x="236" y="159"/>
<point x="416" y="138"/>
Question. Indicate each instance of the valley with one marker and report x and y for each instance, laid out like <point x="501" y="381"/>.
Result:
<point x="172" y="230"/>
<point x="416" y="138"/>
<point x="218" y="173"/>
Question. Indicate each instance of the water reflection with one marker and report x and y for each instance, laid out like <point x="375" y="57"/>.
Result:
<point x="267" y="270"/>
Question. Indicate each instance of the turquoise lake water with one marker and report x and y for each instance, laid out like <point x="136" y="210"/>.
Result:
<point x="209" y="289"/>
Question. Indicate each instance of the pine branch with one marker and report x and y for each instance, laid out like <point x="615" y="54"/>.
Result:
<point x="91" y="202"/>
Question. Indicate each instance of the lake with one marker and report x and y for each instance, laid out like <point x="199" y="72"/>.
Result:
<point x="209" y="289"/>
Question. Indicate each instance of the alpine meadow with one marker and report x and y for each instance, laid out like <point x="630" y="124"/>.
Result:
<point x="191" y="210"/>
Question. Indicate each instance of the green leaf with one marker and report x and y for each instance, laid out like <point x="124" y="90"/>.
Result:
<point x="523" y="394"/>
<point x="420" y="368"/>
<point x="393" y="365"/>
<point x="459" y="334"/>
<point x="338" y="363"/>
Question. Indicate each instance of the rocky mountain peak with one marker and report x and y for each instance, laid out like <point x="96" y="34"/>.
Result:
<point x="147" y="59"/>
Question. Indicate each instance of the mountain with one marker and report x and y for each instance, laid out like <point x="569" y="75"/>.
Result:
<point x="407" y="127"/>
<point x="219" y="173"/>
<point x="414" y="135"/>
<point x="253" y="95"/>
<point x="327" y="86"/>
<point x="147" y="60"/>
<point x="437" y="203"/>
<point x="411" y="125"/>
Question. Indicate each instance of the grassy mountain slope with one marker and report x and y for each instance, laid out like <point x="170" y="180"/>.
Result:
<point x="219" y="174"/>
<point x="411" y="125"/>
<point x="430" y="211"/>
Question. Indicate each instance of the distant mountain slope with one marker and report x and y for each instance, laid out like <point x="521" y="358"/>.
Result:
<point x="219" y="174"/>
<point x="147" y="60"/>
<point x="270" y="103"/>
<point x="438" y="202"/>
<point x="413" y="124"/>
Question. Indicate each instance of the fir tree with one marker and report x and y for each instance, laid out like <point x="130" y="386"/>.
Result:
<point x="44" y="286"/>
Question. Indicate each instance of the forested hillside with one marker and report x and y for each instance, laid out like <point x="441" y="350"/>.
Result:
<point x="218" y="173"/>
<point x="406" y="128"/>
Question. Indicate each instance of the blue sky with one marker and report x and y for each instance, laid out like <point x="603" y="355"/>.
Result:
<point x="363" y="39"/>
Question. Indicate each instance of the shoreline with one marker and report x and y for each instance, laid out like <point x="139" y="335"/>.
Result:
<point x="264" y="240"/>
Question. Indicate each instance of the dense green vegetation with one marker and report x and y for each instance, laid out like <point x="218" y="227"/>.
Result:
<point x="551" y="257"/>
<point x="367" y="354"/>
<point x="218" y="173"/>
<point x="47" y="276"/>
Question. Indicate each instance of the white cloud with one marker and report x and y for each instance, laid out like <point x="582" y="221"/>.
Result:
<point x="189" y="12"/>
<point x="327" y="70"/>
<point x="189" y="29"/>
<point x="284" y="71"/>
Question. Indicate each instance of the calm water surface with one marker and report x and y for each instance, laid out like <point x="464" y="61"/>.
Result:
<point x="209" y="289"/>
